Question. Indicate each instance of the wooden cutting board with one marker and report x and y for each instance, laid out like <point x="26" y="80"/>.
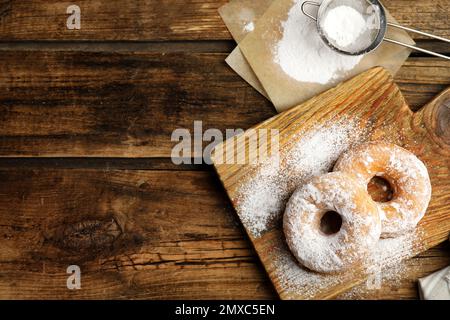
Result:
<point x="374" y="102"/>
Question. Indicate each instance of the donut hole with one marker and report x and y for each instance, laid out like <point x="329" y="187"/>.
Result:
<point x="330" y="223"/>
<point x="380" y="189"/>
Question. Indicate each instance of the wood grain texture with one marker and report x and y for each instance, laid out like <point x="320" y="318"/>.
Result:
<point x="138" y="235"/>
<point x="73" y="103"/>
<point x="376" y="104"/>
<point x="65" y="104"/>
<point x="117" y="88"/>
<point x="131" y="232"/>
<point x="156" y="20"/>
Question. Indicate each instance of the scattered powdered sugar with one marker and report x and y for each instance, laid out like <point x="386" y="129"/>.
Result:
<point x="304" y="56"/>
<point x="387" y="264"/>
<point x="294" y="279"/>
<point x="391" y="251"/>
<point x="261" y="200"/>
<point x="246" y="19"/>
<point x="384" y="265"/>
<point x="249" y="27"/>
<point x="317" y="152"/>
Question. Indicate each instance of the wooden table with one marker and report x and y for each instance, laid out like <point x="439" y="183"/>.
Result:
<point x="86" y="118"/>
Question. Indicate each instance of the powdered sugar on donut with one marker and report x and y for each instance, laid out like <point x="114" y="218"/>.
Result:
<point x="261" y="200"/>
<point x="414" y="181"/>
<point x="407" y="174"/>
<point x="360" y="230"/>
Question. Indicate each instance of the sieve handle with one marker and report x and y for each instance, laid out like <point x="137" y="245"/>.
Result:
<point x="417" y="48"/>
<point x="418" y="32"/>
<point x="312" y="3"/>
<point x="414" y="47"/>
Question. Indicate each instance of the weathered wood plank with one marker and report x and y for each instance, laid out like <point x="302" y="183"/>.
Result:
<point x="165" y="20"/>
<point x="71" y="102"/>
<point x="156" y="164"/>
<point x="62" y="104"/>
<point x="430" y="16"/>
<point x="135" y="234"/>
<point x="421" y="79"/>
<point x="113" y="20"/>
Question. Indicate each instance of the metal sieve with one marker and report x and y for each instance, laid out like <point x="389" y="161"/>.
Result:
<point x="375" y="16"/>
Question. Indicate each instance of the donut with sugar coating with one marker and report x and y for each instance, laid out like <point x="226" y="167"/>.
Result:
<point x="359" y="232"/>
<point x="407" y="175"/>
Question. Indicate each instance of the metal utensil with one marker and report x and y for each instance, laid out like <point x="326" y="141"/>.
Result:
<point x="377" y="27"/>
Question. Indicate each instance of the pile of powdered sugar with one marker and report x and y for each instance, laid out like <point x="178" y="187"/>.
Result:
<point x="304" y="56"/>
<point x="343" y="26"/>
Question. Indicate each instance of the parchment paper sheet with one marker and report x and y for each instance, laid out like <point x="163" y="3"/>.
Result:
<point x="238" y="15"/>
<point x="253" y="60"/>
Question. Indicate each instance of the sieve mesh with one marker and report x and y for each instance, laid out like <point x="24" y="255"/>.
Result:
<point x="368" y="34"/>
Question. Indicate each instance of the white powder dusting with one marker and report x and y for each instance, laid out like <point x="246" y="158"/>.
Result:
<point x="332" y="253"/>
<point x="317" y="152"/>
<point x="384" y="265"/>
<point x="343" y="25"/>
<point x="387" y="264"/>
<point x="303" y="55"/>
<point x="392" y="251"/>
<point x="296" y="280"/>
<point x="262" y="199"/>
<point x="246" y="19"/>
<point x="249" y="27"/>
<point x="408" y="175"/>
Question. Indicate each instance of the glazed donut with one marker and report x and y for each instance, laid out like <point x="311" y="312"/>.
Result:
<point x="360" y="229"/>
<point x="407" y="176"/>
